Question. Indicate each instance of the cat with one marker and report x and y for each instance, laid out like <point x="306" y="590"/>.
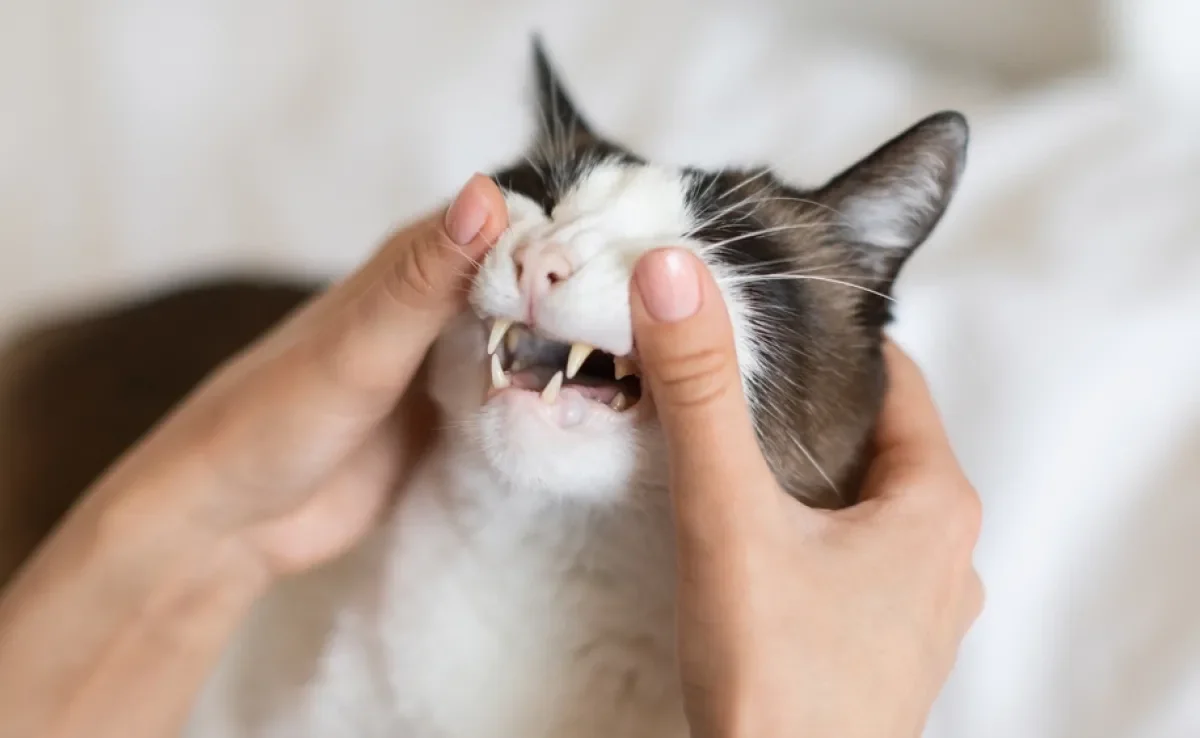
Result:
<point x="523" y="584"/>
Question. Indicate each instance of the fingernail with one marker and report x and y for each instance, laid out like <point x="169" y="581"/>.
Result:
<point x="668" y="285"/>
<point x="466" y="216"/>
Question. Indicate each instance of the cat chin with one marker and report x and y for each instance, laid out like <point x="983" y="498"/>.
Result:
<point x="595" y="460"/>
<point x="573" y="448"/>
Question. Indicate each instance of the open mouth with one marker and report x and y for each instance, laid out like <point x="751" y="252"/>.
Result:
<point x="522" y="359"/>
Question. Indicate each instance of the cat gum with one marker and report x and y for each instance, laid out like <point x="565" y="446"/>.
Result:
<point x="570" y="409"/>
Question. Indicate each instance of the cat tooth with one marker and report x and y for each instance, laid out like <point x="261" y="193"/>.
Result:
<point x="620" y="402"/>
<point x="511" y="339"/>
<point x="550" y="393"/>
<point x="624" y="367"/>
<point x="499" y="328"/>
<point x="578" y="355"/>
<point x="499" y="378"/>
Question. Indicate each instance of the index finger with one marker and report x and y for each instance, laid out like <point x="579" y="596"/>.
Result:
<point x="378" y="324"/>
<point x="909" y="433"/>
<point x="300" y="399"/>
<point x="909" y="418"/>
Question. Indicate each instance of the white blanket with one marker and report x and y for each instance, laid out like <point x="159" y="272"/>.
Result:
<point x="1055" y="310"/>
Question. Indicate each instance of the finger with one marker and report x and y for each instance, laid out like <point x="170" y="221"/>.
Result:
<point x="235" y="447"/>
<point x="909" y="436"/>
<point x="909" y="417"/>
<point x="685" y="344"/>
<point x="346" y="504"/>
<point x="299" y="400"/>
<point x="384" y="318"/>
<point x="974" y="599"/>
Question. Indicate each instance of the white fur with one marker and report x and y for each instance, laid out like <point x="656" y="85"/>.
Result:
<point x="895" y="212"/>
<point x="523" y="586"/>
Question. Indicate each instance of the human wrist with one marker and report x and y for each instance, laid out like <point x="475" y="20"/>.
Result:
<point x="136" y="597"/>
<point x="786" y="711"/>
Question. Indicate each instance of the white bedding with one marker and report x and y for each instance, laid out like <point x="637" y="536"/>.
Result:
<point x="1056" y="310"/>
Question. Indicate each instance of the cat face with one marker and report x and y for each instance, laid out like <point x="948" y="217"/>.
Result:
<point x="541" y="378"/>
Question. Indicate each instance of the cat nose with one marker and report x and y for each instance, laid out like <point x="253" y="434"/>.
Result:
<point x="540" y="270"/>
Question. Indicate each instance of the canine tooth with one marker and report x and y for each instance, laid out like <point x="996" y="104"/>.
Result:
<point x="624" y="367"/>
<point x="499" y="328"/>
<point x="578" y="355"/>
<point x="619" y="402"/>
<point x="499" y="378"/>
<point x="550" y="394"/>
<point x="511" y="339"/>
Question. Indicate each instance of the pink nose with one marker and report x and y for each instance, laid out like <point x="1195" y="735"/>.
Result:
<point x="539" y="270"/>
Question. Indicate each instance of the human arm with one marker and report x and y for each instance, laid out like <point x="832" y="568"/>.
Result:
<point x="280" y="461"/>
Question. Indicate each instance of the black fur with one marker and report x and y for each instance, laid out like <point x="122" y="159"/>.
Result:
<point x="819" y="340"/>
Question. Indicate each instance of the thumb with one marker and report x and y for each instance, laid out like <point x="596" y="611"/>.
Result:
<point x="685" y="345"/>
<point x="382" y="319"/>
<point x="351" y="353"/>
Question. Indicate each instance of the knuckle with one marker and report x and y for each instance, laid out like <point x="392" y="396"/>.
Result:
<point x="696" y="378"/>
<point x="978" y="594"/>
<point x="954" y="516"/>
<point x="343" y="365"/>
<point x="415" y="280"/>
<point x="966" y="516"/>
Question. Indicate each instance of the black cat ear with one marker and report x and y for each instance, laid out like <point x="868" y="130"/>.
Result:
<point x="890" y="202"/>
<point x="559" y="119"/>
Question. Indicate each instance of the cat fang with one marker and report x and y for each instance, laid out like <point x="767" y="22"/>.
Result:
<point x="521" y="360"/>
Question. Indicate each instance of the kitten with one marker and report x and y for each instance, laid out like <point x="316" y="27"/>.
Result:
<point x="523" y="585"/>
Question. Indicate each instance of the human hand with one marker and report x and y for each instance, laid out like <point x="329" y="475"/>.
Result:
<point x="293" y="447"/>
<point x="280" y="461"/>
<point x="794" y="621"/>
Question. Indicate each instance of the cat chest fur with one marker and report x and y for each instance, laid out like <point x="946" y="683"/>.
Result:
<point x="478" y="611"/>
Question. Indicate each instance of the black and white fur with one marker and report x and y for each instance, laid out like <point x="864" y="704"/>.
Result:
<point x="523" y="586"/>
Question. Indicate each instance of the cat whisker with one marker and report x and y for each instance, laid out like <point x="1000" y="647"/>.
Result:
<point x="756" y="269"/>
<point x="807" y="201"/>
<point x="703" y="195"/>
<point x="718" y="216"/>
<point x="749" y="180"/>
<point x="804" y="450"/>
<point x="722" y="214"/>
<point x="755" y="234"/>
<point x="753" y="200"/>
<point x="812" y="460"/>
<point x="462" y="252"/>
<point x="532" y="162"/>
<point x="725" y="210"/>
<point x="473" y="261"/>
<point x="812" y="277"/>
<point x="778" y="276"/>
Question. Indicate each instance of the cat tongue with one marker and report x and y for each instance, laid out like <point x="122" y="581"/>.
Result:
<point x="536" y="378"/>
<point x="601" y="393"/>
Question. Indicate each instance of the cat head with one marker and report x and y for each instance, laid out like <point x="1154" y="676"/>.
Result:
<point x="541" y="377"/>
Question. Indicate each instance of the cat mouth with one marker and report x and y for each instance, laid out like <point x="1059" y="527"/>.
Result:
<point x="521" y="359"/>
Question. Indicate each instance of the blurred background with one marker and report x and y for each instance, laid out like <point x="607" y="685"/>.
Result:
<point x="1056" y="310"/>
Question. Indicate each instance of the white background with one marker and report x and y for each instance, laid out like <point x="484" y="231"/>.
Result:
<point x="1057" y="310"/>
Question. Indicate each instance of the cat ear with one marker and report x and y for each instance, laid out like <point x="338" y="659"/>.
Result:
<point x="889" y="202"/>
<point x="557" y="115"/>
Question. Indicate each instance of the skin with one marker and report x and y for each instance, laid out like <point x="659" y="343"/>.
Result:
<point x="795" y="621"/>
<point x="287" y="455"/>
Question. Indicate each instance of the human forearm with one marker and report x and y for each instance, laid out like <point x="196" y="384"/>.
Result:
<point x="116" y="622"/>
<point x="278" y="463"/>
